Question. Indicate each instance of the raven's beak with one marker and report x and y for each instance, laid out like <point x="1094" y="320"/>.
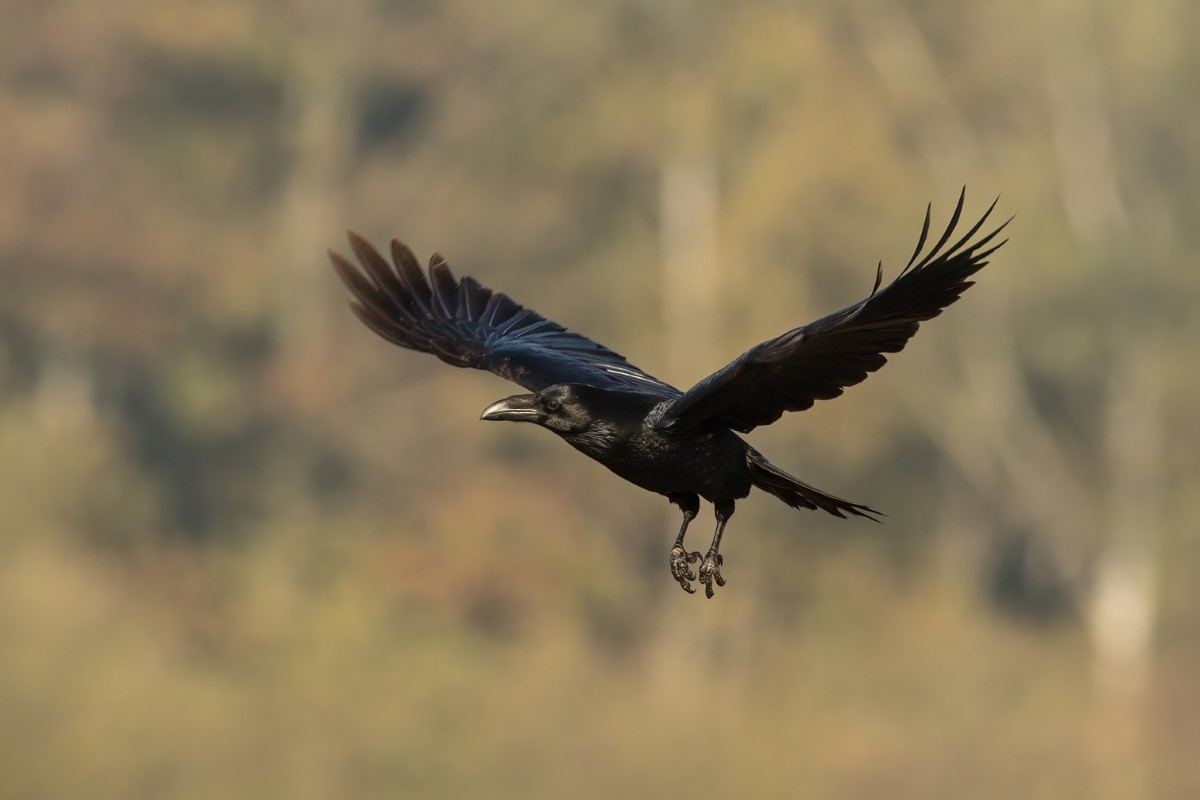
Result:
<point x="518" y="408"/>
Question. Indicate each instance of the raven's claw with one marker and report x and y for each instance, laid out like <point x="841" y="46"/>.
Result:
<point x="680" y="571"/>
<point x="710" y="571"/>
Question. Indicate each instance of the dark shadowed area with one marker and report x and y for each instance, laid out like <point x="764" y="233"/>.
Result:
<point x="249" y="549"/>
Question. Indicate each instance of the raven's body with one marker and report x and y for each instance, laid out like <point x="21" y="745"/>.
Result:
<point x="678" y="444"/>
<point x="710" y="462"/>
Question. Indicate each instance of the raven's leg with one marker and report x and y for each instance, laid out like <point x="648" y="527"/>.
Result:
<point x="710" y="570"/>
<point x="680" y="558"/>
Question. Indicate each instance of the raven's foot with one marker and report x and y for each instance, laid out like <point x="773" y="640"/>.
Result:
<point x="710" y="572"/>
<point x="680" y="571"/>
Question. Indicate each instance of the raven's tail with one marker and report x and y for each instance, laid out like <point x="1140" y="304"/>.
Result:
<point x="797" y="494"/>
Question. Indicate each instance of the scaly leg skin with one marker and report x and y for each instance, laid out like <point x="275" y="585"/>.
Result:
<point x="681" y="558"/>
<point x="710" y="569"/>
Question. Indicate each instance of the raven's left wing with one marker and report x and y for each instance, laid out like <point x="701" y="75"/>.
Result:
<point x="817" y="361"/>
<point x="468" y="325"/>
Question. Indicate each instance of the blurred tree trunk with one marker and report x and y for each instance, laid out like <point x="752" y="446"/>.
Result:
<point x="321" y="105"/>
<point x="1123" y="601"/>
<point x="690" y="280"/>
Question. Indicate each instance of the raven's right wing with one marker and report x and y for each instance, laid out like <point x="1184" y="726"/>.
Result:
<point x="819" y="360"/>
<point x="468" y="325"/>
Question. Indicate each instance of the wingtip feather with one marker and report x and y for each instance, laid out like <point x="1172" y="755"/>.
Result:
<point x="922" y="238"/>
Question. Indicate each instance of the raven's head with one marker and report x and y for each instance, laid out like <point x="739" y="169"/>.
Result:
<point x="563" y="408"/>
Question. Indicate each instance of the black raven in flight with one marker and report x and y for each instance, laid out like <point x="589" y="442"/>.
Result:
<point x="680" y="444"/>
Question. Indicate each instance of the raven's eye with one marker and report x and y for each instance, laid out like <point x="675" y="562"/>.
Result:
<point x="553" y="405"/>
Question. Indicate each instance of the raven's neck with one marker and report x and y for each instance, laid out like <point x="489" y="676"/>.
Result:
<point x="615" y="419"/>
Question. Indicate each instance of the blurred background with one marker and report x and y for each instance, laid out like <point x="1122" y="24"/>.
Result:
<point x="249" y="549"/>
